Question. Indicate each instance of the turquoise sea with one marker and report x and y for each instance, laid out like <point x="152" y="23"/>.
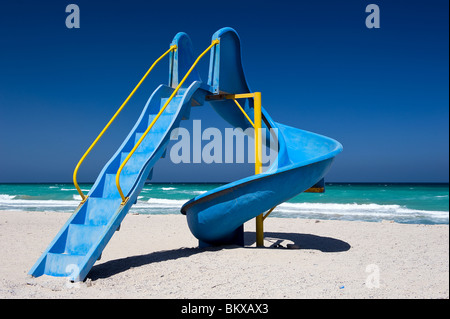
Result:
<point x="402" y="203"/>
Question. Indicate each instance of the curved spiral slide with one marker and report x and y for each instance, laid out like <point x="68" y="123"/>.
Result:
<point x="215" y="217"/>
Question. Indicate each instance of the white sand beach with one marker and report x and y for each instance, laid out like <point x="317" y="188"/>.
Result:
<point x="155" y="256"/>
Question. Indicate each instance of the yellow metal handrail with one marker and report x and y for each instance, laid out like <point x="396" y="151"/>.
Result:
<point x="125" y="199"/>
<point x="84" y="197"/>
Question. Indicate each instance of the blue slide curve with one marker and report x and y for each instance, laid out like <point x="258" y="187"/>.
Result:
<point x="215" y="217"/>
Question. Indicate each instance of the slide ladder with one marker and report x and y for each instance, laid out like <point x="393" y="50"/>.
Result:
<point x="80" y="242"/>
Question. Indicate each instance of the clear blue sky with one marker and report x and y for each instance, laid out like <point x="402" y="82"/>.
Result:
<point x="383" y="93"/>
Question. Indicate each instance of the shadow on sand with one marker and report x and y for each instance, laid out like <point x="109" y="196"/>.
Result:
<point x="303" y="241"/>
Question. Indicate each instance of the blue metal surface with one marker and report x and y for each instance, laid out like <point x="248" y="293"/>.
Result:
<point x="215" y="217"/>
<point x="303" y="157"/>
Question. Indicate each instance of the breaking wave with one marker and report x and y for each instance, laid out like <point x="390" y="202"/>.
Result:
<point x="368" y="212"/>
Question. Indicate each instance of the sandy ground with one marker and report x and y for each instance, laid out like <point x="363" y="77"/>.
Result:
<point x="157" y="257"/>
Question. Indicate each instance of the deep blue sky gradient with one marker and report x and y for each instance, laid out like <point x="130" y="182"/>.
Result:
<point x="383" y="93"/>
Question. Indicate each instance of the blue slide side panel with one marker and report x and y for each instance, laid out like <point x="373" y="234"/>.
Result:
<point x="214" y="217"/>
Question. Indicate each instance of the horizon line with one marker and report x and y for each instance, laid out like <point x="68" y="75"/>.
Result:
<point x="147" y="183"/>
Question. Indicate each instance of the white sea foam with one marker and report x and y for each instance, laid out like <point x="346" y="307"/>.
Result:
<point x="162" y="202"/>
<point x="73" y="189"/>
<point x="369" y="212"/>
<point x="158" y="206"/>
<point x="167" y="188"/>
<point x="6" y="197"/>
<point x="192" y="192"/>
<point x="195" y="192"/>
<point x="30" y="203"/>
<point x="356" y="211"/>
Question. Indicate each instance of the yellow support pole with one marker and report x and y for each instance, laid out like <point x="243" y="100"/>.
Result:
<point x="258" y="163"/>
<point x="268" y="213"/>
<point x="243" y="112"/>
<point x="258" y="142"/>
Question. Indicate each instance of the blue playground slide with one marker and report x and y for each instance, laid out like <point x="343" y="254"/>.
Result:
<point x="215" y="217"/>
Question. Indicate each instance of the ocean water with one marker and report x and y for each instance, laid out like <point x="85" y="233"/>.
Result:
<point x="402" y="203"/>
